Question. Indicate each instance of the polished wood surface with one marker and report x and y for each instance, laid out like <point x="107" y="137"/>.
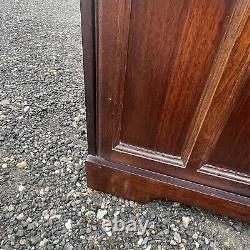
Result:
<point x="168" y="92"/>
<point x="171" y="68"/>
<point x="233" y="146"/>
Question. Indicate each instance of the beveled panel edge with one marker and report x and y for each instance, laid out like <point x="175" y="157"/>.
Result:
<point x="149" y="154"/>
<point x="225" y="174"/>
<point x="232" y="34"/>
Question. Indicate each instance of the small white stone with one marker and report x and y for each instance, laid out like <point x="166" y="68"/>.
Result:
<point x="21" y="188"/>
<point x="148" y="247"/>
<point x="29" y="220"/>
<point x="2" y="117"/>
<point x="26" y="109"/>
<point x="195" y="236"/>
<point x="53" y="71"/>
<point x="174" y="227"/>
<point x="182" y="246"/>
<point x="196" y="244"/>
<point x="90" y="214"/>
<point x="83" y="209"/>
<point x="106" y="225"/>
<point x="68" y="224"/>
<point x="206" y="241"/>
<point x="77" y="119"/>
<point x="185" y="221"/>
<point x="140" y="241"/>
<point x="176" y="204"/>
<point x="101" y="214"/>
<point x="45" y="215"/>
<point x="20" y="216"/>
<point x="5" y="102"/>
<point x="109" y="233"/>
<point x="116" y="213"/>
<point x="177" y="237"/>
<point x="22" y="164"/>
<point x="22" y="241"/>
<point x="43" y="242"/>
<point x="172" y="242"/>
<point x="57" y="164"/>
<point x="4" y="165"/>
<point x="11" y="208"/>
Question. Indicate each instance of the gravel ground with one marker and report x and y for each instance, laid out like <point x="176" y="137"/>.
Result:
<point x="45" y="203"/>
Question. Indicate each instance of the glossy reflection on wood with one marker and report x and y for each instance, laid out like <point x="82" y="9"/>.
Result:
<point x="168" y="99"/>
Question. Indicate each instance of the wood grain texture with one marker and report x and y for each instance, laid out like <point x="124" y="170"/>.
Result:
<point x="232" y="33"/>
<point x="172" y="51"/>
<point x="112" y="40"/>
<point x="227" y="90"/>
<point x="140" y="185"/>
<point x="171" y="83"/>
<point x="232" y="150"/>
<point x="154" y="24"/>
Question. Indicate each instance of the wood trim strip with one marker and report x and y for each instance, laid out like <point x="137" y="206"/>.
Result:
<point x="150" y="155"/>
<point x="226" y="174"/>
<point x="111" y="54"/>
<point x="88" y="42"/>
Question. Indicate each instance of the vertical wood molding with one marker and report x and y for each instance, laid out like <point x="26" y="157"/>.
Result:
<point x="225" y="79"/>
<point x="112" y="45"/>
<point x="124" y="17"/>
<point x="88" y="42"/>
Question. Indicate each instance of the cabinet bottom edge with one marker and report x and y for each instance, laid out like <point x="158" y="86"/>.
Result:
<point x="144" y="186"/>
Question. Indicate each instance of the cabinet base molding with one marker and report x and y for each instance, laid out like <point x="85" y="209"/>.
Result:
<point x="143" y="186"/>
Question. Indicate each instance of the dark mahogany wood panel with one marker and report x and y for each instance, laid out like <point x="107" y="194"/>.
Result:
<point x="113" y="39"/>
<point x="232" y="150"/>
<point x="172" y="45"/>
<point x="155" y="32"/>
<point x="225" y="93"/>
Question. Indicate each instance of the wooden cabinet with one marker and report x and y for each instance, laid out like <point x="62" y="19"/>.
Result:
<point x="168" y="101"/>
